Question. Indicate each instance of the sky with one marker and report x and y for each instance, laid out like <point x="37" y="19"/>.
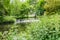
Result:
<point x="20" y="1"/>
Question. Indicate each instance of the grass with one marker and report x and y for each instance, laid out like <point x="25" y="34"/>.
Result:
<point x="48" y="28"/>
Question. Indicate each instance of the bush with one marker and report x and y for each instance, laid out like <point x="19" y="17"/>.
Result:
<point x="52" y="6"/>
<point x="7" y="19"/>
<point x="47" y="29"/>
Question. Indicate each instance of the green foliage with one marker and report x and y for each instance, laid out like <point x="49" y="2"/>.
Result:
<point x="40" y="7"/>
<point x="37" y="6"/>
<point x="9" y="18"/>
<point x="4" y="7"/>
<point x="20" y="10"/>
<point x="52" y="6"/>
<point x="48" y="28"/>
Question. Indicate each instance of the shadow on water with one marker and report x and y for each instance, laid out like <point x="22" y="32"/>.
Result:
<point x="8" y="27"/>
<point x="4" y="27"/>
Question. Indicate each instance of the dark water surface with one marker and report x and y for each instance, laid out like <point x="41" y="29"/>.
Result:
<point x="8" y="27"/>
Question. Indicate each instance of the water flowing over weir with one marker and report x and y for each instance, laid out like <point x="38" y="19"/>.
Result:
<point x="26" y="20"/>
<point x="31" y="18"/>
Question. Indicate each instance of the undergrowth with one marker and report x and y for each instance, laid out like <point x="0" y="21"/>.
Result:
<point x="48" y="28"/>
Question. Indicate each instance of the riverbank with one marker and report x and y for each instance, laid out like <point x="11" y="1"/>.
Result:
<point x="47" y="28"/>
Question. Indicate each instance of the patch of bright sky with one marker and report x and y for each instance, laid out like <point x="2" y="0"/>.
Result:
<point x="22" y="1"/>
<point x="11" y="1"/>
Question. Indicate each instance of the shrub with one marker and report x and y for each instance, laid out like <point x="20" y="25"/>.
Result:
<point x="47" y="29"/>
<point x="52" y="6"/>
<point x="7" y="19"/>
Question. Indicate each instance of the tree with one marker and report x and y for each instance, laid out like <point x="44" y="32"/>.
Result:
<point x="52" y="5"/>
<point x="40" y="7"/>
<point x="37" y="6"/>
